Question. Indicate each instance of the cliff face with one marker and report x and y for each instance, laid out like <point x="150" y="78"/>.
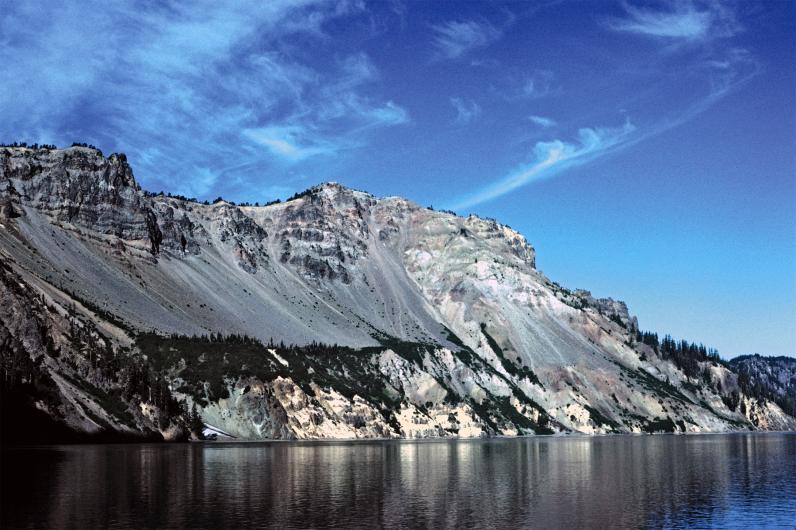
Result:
<point x="444" y="327"/>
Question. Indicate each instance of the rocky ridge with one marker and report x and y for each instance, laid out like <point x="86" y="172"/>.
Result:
<point x="333" y="315"/>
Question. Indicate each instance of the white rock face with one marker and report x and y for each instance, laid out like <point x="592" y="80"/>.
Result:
<point x="509" y="351"/>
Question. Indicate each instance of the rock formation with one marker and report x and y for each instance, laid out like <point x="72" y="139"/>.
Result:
<point x="333" y="315"/>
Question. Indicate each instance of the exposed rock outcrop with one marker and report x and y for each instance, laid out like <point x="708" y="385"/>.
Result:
<point x="444" y="325"/>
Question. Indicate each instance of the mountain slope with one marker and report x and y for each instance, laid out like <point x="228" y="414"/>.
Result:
<point x="443" y="325"/>
<point x="771" y="378"/>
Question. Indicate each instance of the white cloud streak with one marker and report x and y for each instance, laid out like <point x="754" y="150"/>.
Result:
<point x="543" y="122"/>
<point x="538" y="85"/>
<point x="549" y="158"/>
<point x="683" y="20"/>
<point x="218" y="83"/>
<point x="467" y="110"/>
<point x="456" y="38"/>
<point x="291" y="142"/>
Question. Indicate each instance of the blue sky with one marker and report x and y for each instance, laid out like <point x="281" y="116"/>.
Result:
<point x="646" y="149"/>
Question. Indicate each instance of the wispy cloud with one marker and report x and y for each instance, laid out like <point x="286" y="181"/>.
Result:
<point x="388" y="114"/>
<point x="525" y="84"/>
<point x="724" y="74"/>
<point x="549" y="158"/>
<point x="291" y="142"/>
<point x="543" y="122"/>
<point x="225" y="85"/>
<point x="538" y="85"/>
<point x="682" y="20"/>
<point x="455" y="38"/>
<point x="467" y="110"/>
<point x="711" y="73"/>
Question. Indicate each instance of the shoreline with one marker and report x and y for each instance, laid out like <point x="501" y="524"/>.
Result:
<point x="362" y="441"/>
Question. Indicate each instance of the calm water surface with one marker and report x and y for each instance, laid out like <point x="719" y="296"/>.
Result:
<point x="724" y="481"/>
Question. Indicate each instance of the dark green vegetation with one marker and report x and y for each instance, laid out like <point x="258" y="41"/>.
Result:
<point x="660" y="425"/>
<point x="759" y="377"/>
<point x="685" y="355"/>
<point x="114" y="384"/>
<point x="510" y="366"/>
<point x="117" y="379"/>
<point x="601" y="419"/>
<point x="772" y="378"/>
<point x="468" y="357"/>
<point x="209" y="366"/>
<point x="656" y="386"/>
<point x="156" y="368"/>
<point x="48" y="147"/>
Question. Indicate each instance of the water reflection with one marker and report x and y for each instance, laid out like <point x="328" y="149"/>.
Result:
<point x="604" y="482"/>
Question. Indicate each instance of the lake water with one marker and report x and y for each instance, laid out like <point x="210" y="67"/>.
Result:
<point x="725" y="481"/>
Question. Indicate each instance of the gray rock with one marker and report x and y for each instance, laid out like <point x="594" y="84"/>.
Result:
<point x="464" y="336"/>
